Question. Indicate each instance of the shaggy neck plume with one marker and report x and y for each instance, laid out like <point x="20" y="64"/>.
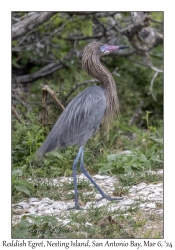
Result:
<point x="91" y="64"/>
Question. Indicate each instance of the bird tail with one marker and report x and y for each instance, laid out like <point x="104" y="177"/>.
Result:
<point x="39" y="154"/>
<point x="38" y="157"/>
<point x="46" y="147"/>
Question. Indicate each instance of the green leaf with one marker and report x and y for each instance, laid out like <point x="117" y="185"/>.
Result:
<point x="26" y="183"/>
<point x="136" y="166"/>
<point x="113" y="157"/>
<point x="55" y="39"/>
<point x="24" y="223"/>
<point x="128" y="168"/>
<point x="50" y="219"/>
<point x="15" y="64"/>
<point x="142" y="158"/>
<point x="18" y="147"/>
<point x="36" y="220"/>
<point x="87" y="29"/>
<point x="57" y="20"/>
<point x="56" y="154"/>
<point x="157" y="140"/>
<point x="105" y="169"/>
<point x="23" y="189"/>
<point x="17" y="172"/>
<point x="158" y="15"/>
<point x="156" y="159"/>
<point x="129" y="128"/>
<point x="147" y="163"/>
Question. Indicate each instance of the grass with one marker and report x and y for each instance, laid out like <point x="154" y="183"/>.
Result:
<point x="93" y="223"/>
<point x="130" y="179"/>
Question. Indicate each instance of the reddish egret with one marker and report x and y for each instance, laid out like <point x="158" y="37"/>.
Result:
<point x="82" y="117"/>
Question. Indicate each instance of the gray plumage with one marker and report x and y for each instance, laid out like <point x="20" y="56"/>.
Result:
<point x="78" y="122"/>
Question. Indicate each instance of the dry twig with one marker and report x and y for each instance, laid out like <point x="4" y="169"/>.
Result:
<point x="14" y="111"/>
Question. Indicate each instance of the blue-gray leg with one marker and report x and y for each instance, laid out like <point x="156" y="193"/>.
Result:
<point x="83" y="170"/>
<point x="74" y="168"/>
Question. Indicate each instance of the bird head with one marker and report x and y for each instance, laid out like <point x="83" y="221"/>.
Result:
<point x="100" y="49"/>
<point x="92" y="53"/>
<point x="106" y="49"/>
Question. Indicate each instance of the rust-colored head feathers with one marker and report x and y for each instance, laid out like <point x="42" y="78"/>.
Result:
<point x="91" y="64"/>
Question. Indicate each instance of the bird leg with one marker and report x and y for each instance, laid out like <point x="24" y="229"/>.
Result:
<point x="74" y="167"/>
<point x="83" y="170"/>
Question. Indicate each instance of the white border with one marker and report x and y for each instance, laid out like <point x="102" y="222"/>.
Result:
<point x="5" y="97"/>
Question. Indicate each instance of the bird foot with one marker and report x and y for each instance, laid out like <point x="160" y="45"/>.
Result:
<point x="109" y="198"/>
<point x="76" y="207"/>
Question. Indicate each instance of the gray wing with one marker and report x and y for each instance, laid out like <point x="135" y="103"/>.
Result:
<point x="78" y="122"/>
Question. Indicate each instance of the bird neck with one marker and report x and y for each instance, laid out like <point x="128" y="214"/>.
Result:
<point x="97" y="70"/>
